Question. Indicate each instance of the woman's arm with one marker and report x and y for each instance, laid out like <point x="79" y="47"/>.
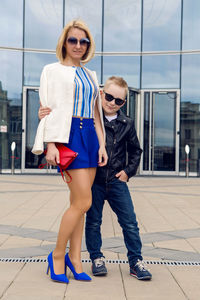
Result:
<point x="103" y="157"/>
<point x="52" y="155"/>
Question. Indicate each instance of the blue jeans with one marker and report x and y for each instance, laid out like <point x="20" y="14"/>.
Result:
<point x="118" y="196"/>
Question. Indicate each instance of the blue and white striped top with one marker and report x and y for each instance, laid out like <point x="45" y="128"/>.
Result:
<point x="85" y="94"/>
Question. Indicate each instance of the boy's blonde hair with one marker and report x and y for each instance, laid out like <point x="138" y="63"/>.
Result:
<point x="61" y="51"/>
<point x="118" y="81"/>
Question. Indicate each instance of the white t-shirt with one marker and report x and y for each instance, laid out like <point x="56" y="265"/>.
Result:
<point x="110" y="118"/>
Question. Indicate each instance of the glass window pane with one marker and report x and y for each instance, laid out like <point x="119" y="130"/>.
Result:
<point x="162" y="25"/>
<point x="127" y="67"/>
<point x="161" y="71"/>
<point x="133" y="105"/>
<point x="95" y="65"/>
<point x="32" y="105"/>
<point x="10" y="107"/>
<point x="122" y="25"/>
<point x="43" y="23"/>
<point x="33" y="65"/>
<point x="11" y="23"/>
<point x="191" y="24"/>
<point x="190" y="111"/>
<point x="146" y="142"/>
<point x="163" y="133"/>
<point x="88" y="11"/>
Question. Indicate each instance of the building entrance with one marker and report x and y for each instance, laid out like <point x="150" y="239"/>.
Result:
<point x="160" y="132"/>
<point x="31" y="162"/>
<point x="156" y="116"/>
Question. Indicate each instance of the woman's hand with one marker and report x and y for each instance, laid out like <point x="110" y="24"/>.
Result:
<point x="43" y="111"/>
<point x="103" y="157"/>
<point x="52" y="156"/>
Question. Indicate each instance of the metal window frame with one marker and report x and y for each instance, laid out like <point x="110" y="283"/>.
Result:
<point x="25" y="170"/>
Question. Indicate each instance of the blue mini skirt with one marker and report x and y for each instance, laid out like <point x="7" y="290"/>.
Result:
<point x="83" y="139"/>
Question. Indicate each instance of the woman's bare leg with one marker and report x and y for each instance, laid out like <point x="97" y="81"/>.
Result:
<point x="76" y="236"/>
<point x="80" y="189"/>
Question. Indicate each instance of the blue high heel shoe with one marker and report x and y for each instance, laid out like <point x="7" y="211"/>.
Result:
<point x="78" y="276"/>
<point x="55" y="277"/>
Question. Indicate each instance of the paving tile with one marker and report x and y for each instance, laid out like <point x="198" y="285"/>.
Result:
<point x="170" y="254"/>
<point x="3" y="238"/>
<point x="12" y="241"/>
<point x="195" y="243"/>
<point x="33" y="281"/>
<point x="188" y="279"/>
<point x="35" y="290"/>
<point x="26" y="251"/>
<point x="46" y="216"/>
<point x="161" y="287"/>
<point x="8" y="272"/>
<point x="181" y="245"/>
<point x="149" y="217"/>
<point x="108" y="287"/>
<point x="28" y="232"/>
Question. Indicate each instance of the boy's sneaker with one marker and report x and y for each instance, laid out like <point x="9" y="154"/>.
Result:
<point x="99" y="267"/>
<point x="140" y="271"/>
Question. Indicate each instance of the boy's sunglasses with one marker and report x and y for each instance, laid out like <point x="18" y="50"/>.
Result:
<point x="110" y="98"/>
<point x="74" y="41"/>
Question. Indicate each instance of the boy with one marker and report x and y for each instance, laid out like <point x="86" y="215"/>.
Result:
<point x="110" y="181"/>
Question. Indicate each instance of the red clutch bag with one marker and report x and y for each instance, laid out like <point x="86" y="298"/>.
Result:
<point x="67" y="156"/>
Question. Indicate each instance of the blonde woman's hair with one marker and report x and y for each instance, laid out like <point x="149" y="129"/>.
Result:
<point x="61" y="50"/>
<point x="118" y="81"/>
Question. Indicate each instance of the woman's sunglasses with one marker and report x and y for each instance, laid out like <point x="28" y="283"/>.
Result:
<point x="74" y="41"/>
<point x="110" y="98"/>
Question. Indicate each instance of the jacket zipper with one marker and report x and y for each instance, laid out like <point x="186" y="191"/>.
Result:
<point x="111" y="153"/>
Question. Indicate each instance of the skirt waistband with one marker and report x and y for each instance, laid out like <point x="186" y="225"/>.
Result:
<point x="82" y="122"/>
<point x="82" y="118"/>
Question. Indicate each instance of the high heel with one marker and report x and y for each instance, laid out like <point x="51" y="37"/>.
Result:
<point x="78" y="276"/>
<point x="55" y="277"/>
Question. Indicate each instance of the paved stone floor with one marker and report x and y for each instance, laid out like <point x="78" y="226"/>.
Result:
<point x="168" y="212"/>
<point x="114" y="244"/>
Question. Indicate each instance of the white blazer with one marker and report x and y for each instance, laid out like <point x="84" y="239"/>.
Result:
<point x="57" y="92"/>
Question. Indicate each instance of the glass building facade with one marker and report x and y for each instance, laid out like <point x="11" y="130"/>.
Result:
<point x="153" y="44"/>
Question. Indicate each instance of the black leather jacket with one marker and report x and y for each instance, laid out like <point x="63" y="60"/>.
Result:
<point x="122" y="147"/>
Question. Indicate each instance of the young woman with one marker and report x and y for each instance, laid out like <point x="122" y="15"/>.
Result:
<point x="71" y="91"/>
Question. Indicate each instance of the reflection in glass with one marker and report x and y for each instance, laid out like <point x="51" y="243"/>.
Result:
<point x="190" y="78"/>
<point x="146" y="143"/>
<point x="10" y="107"/>
<point x="88" y="11"/>
<point x="159" y="131"/>
<point x="161" y="25"/>
<point x="190" y="112"/>
<point x="161" y="71"/>
<point x="132" y="105"/>
<point x="122" y="25"/>
<point x="43" y="23"/>
<point x="33" y="65"/>
<point x="127" y="67"/>
<point x="95" y="65"/>
<point x="11" y="23"/>
<point x="191" y="24"/>
<point x="163" y="134"/>
<point x="32" y="105"/>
